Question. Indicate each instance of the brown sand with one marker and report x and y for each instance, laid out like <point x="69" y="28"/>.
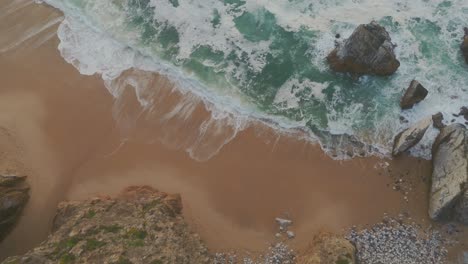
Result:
<point x="72" y="149"/>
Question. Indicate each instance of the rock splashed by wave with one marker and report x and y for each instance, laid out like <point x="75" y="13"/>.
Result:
<point x="265" y="60"/>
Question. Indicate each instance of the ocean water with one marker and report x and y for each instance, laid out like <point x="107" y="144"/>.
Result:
<point x="264" y="61"/>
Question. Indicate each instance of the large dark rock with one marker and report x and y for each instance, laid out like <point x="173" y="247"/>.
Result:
<point x="369" y="50"/>
<point x="410" y="137"/>
<point x="13" y="198"/>
<point x="450" y="175"/>
<point x="413" y="95"/>
<point x="464" y="45"/>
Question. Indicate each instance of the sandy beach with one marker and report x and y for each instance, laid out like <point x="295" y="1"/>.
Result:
<point x="67" y="141"/>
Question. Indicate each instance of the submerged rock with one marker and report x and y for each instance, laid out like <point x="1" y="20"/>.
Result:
<point x="464" y="45"/>
<point x="142" y="225"/>
<point x="326" y="249"/>
<point x="437" y="120"/>
<point x="14" y="194"/>
<point x="413" y="95"/>
<point x="369" y="50"/>
<point x="450" y="174"/>
<point x="410" y="137"/>
<point x="464" y="112"/>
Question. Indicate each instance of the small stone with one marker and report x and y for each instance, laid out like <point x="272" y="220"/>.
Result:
<point x="283" y="223"/>
<point x="291" y="234"/>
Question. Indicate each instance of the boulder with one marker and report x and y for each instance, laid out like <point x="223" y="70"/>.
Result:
<point x="327" y="248"/>
<point x="410" y="137"/>
<point x="13" y="197"/>
<point x="369" y="50"/>
<point x="413" y="95"/>
<point x="464" y="45"/>
<point x="437" y="120"/>
<point x="450" y="174"/>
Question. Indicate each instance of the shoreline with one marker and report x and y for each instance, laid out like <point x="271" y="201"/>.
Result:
<point x="72" y="150"/>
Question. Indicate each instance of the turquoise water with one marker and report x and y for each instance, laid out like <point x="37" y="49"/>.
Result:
<point x="269" y="56"/>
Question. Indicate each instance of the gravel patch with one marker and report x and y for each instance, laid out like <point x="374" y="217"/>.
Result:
<point x="394" y="242"/>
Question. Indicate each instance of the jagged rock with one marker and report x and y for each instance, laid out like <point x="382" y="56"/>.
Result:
<point x="14" y="194"/>
<point x="464" y="45"/>
<point x="450" y="173"/>
<point x="369" y="50"/>
<point x="141" y="225"/>
<point x="437" y="120"/>
<point x="413" y="95"/>
<point x="410" y="137"/>
<point x="329" y="249"/>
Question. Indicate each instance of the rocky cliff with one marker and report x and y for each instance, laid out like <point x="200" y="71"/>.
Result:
<point x="141" y="225"/>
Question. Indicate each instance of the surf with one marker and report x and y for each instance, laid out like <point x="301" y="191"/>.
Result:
<point x="263" y="61"/>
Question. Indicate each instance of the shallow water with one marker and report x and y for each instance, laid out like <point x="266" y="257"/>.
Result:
<point x="265" y="60"/>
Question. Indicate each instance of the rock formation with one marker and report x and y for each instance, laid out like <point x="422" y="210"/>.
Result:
<point x="448" y="197"/>
<point x="369" y="50"/>
<point x="326" y="249"/>
<point x="413" y="95"/>
<point x="410" y="137"/>
<point x="142" y="225"/>
<point x="464" y="45"/>
<point x="13" y="197"/>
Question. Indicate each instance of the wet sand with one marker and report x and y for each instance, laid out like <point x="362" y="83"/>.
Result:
<point x="72" y="148"/>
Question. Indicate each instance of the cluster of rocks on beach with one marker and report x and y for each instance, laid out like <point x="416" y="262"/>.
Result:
<point x="369" y="50"/>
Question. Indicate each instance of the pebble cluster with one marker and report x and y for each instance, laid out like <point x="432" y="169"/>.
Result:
<point x="393" y="242"/>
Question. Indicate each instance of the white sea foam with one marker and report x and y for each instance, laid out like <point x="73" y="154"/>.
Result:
<point x="287" y="96"/>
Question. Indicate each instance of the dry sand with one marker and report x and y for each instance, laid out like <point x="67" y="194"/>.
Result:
<point x="71" y="148"/>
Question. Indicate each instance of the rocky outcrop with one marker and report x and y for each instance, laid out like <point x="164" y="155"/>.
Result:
<point x="369" y="50"/>
<point x="14" y="194"/>
<point x="329" y="249"/>
<point x="464" y="45"/>
<point x="450" y="174"/>
<point x="413" y="95"/>
<point x="410" y="137"/>
<point x="142" y="225"/>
